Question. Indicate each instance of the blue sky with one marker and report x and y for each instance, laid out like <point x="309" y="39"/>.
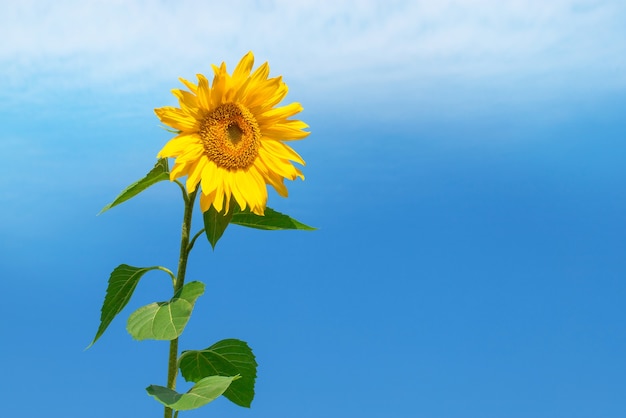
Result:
<point x="465" y="170"/>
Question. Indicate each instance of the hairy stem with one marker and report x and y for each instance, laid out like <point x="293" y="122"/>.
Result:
<point x="178" y="283"/>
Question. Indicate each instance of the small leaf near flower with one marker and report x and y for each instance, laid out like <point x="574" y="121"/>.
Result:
<point x="215" y="223"/>
<point x="159" y="173"/>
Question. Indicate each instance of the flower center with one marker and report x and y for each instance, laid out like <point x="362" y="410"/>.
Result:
<point x="230" y="135"/>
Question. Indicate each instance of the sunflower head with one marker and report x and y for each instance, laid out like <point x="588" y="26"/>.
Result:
<point x="232" y="136"/>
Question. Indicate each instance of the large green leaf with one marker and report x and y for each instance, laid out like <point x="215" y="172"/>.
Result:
<point x="165" y="320"/>
<point x="224" y="358"/>
<point x="272" y="220"/>
<point x="122" y="283"/>
<point x="203" y="392"/>
<point x="159" y="173"/>
<point x="215" y="223"/>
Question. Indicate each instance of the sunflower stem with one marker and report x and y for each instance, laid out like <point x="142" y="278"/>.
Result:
<point x="178" y="284"/>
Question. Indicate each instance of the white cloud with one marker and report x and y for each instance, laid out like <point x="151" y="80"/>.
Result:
<point x="138" y="43"/>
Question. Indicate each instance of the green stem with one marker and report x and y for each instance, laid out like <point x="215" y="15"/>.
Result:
<point x="172" y="370"/>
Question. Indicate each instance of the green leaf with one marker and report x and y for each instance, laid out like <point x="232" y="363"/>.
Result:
<point x="159" y="173"/>
<point x="190" y="292"/>
<point x="165" y="320"/>
<point x="122" y="283"/>
<point x="224" y="358"/>
<point x="159" y="320"/>
<point x="203" y="392"/>
<point x="215" y="223"/>
<point x="272" y="220"/>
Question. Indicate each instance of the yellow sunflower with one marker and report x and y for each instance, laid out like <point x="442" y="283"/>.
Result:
<point x="230" y="139"/>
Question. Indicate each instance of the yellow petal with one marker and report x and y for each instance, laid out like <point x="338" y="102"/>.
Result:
<point x="244" y="67"/>
<point x="279" y="165"/>
<point x="206" y="200"/>
<point x="177" y="119"/>
<point x="195" y="173"/>
<point x="250" y="188"/>
<point x="277" y="182"/>
<point x="288" y="130"/>
<point x="259" y="93"/>
<point x="236" y="192"/>
<point x="207" y="182"/>
<point x="258" y="178"/>
<point x="279" y="113"/>
<point x="204" y="92"/>
<point x="275" y="98"/>
<point x="177" y="145"/>
<point x="260" y="73"/>
<point x="187" y="102"/>
<point x="218" y="200"/>
<point x="227" y="195"/>
<point x="179" y="170"/>
<point x="280" y="150"/>
<point x="192" y="87"/>
<point x="219" y="85"/>
<point x="191" y="154"/>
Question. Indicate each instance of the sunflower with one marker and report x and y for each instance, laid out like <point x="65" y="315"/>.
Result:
<point x="231" y="136"/>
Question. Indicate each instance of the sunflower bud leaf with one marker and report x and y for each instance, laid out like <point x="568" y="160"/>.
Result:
<point x="158" y="173"/>
<point x="215" y="223"/>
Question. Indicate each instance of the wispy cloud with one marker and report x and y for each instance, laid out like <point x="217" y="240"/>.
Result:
<point x="77" y="43"/>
